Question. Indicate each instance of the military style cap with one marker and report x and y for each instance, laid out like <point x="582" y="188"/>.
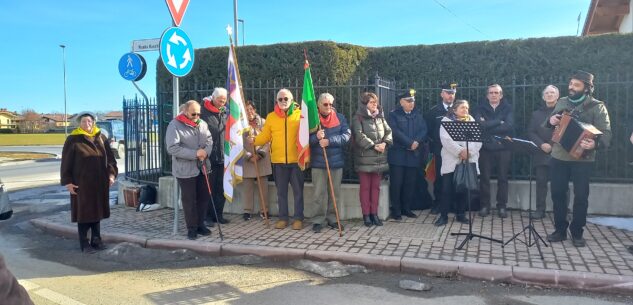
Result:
<point x="408" y="95"/>
<point x="449" y="87"/>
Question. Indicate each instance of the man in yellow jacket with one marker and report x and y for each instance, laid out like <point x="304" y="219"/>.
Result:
<point x="281" y="129"/>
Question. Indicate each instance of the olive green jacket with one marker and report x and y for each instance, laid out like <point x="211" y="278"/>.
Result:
<point x="591" y="111"/>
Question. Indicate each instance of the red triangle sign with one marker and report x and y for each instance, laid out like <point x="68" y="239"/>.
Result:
<point x="177" y="9"/>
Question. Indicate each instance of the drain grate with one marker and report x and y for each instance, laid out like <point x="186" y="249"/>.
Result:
<point x="425" y="231"/>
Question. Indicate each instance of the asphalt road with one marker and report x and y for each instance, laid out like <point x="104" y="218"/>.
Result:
<point x="55" y="272"/>
<point x="28" y="174"/>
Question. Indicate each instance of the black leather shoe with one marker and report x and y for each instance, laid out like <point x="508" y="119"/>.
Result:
<point x="395" y="217"/>
<point x="502" y="213"/>
<point x="192" y="234"/>
<point x="317" y="227"/>
<point x="209" y="223"/>
<point x="246" y="216"/>
<point x="557" y="236"/>
<point x="334" y="225"/>
<point x="435" y="210"/>
<point x="441" y="221"/>
<point x="223" y="220"/>
<point x="538" y="214"/>
<point x="97" y="244"/>
<point x="483" y="212"/>
<point x="462" y="218"/>
<point x="409" y="214"/>
<point x="578" y="241"/>
<point x="375" y="220"/>
<point x="203" y="231"/>
<point x="367" y="221"/>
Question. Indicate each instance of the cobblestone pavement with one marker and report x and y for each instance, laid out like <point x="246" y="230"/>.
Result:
<point x="605" y="252"/>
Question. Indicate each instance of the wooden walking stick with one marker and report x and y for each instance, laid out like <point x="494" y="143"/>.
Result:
<point x="329" y="176"/>
<point x="262" y="201"/>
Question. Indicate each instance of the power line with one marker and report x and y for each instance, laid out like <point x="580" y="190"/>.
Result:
<point x="460" y="19"/>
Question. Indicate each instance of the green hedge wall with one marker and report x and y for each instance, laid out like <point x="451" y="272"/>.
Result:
<point x="483" y="60"/>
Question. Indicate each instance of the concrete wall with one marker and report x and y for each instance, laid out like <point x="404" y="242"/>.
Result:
<point x="604" y="198"/>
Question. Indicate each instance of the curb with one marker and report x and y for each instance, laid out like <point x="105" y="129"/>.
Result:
<point x="606" y="283"/>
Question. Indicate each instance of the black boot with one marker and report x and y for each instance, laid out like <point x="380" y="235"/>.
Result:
<point x="462" y="218"/>
<point x="95" y="238"/>
<point x="375" y="220"/>
<point x="367" y="221"/>
<point x="82" y="229"/>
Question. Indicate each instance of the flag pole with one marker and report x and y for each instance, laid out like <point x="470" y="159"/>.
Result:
<point x="262" y="201"/>
<point x="329" y="176"/>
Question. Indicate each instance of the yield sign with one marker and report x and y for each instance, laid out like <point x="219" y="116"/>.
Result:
<point x="177" y="9"/>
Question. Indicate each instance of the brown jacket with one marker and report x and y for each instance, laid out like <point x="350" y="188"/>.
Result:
<point x="263" y="164"/>
<point x="11" y="292"/>
<point x="88" y="165"/>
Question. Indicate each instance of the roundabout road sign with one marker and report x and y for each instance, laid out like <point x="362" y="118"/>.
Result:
<point x="132" y="67"/>
<point x="176" y="52"/>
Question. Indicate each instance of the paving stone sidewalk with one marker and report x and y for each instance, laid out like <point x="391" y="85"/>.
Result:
<point x="605" y="254"/>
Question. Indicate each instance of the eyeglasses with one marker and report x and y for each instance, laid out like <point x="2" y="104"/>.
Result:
<point x="283" y="99"/>
<point x="194" y="114"/>
<point x="328" y="104"/>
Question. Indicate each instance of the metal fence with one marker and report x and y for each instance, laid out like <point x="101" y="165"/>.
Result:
<point x="612" y="165"/>
<point x="142" y="140"/>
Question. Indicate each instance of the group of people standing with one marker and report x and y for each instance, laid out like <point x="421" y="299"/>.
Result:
<point x="396" y="143"/>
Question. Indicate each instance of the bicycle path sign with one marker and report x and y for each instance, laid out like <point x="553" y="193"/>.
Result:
<point x="176" y="52"/>
<point x="132" y="67"/>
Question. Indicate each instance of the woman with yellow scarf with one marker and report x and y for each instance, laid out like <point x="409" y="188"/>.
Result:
<point x="453" y="153"/>
<point x="88" y="170"/>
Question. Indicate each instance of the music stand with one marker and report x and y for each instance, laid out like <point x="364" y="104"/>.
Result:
<point x="528" y="147"/>
<point x="466" y="132"/>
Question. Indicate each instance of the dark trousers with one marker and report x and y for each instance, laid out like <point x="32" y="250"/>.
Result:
<point x="217" y="190"/>
<point x="437" y="185"/>
<point x="401" y="188"/>
<point x="195" y="198"/>
<point x="578" y="173"/>
<point x="285" y="174"/>
<point x="541" y="174"/>
<point x="450" y="198"/>
<point x="94" y="227"/>
<point x="487" y="160"/>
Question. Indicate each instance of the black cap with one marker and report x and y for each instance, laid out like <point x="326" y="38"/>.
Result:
<point x="449" y="87"/>
<point x="583" y="76"/>
<point x="409" y="95"/>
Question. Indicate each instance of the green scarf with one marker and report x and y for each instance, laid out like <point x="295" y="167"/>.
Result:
<point x="79" y="131"/>
<point x="579" y="100"/>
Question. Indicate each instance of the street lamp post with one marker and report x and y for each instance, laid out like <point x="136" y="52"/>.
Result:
<point x="242" y="22"/>
<point x="65" y="112"/>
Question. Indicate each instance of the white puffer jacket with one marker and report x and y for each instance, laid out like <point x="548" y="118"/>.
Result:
<point x="451" y="150"/>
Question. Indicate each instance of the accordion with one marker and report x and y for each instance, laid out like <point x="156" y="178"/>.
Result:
<point x="570" y="132"/>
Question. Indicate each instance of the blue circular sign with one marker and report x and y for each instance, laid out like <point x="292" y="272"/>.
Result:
<point x="176" y="52"/>
<point x="132" y="67"/>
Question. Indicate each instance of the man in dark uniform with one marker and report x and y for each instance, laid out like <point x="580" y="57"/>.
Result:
<point x="433" y="118"/>
<point x="565" y="168"/>
<point x="496" y="118"/>
<point x="409" y="132"/>
<point x="214" y="114"/>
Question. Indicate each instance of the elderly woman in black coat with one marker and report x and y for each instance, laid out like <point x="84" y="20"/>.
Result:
<point x="88" y="170"/>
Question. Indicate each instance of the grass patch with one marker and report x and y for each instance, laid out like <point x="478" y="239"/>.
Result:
<point x="32" y="139"/>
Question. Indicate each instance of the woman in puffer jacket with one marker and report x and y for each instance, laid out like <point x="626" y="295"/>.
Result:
<point x="453" y="153"/>
<point x="372" y="136"/>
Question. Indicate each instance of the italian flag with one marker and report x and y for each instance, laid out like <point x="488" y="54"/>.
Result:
<point x="309" y="118"/>
<point x="236" y="125"/>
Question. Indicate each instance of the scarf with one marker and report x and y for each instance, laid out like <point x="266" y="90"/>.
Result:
<point x="283" y="114"/>
<point x="182" y="118"/>
<point x="79" y="131"/>
<point x="329" y="121"/>
<point x="578" y="101"/>
<point x="373" y="114"/>
<point x="209" y="105"/>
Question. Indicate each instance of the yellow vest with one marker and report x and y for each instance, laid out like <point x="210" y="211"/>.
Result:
<point x="282" y="133"/>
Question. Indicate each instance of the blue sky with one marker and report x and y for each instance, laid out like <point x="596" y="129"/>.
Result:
<point x="98" y="33"/>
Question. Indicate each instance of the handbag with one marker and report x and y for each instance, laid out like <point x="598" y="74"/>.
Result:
<point x="465" y="177"/>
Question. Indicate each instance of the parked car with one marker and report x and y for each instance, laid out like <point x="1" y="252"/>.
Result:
<point x="113" y="130"/>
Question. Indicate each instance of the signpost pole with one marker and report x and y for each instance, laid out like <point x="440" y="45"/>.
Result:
<point x="176" y="110"/>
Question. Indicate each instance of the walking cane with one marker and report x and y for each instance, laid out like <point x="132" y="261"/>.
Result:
<point x="206" y="178"/>
<point x="262" y="201"/>
<point x="329" y="176"/>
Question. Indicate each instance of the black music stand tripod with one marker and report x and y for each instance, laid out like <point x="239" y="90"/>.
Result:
<point x="466" y="132"/>
<point x="528" y="147"/>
